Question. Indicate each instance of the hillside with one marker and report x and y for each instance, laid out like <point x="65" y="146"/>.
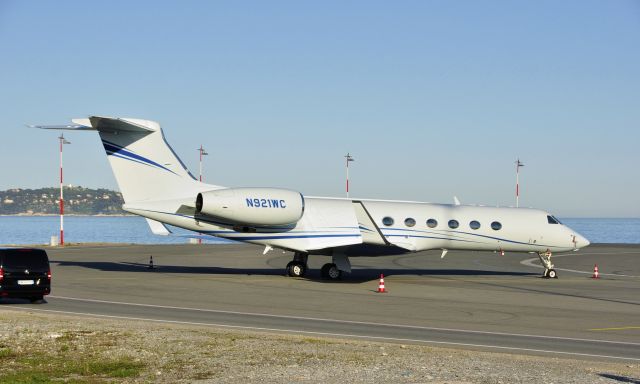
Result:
<point x="45" y="201"/>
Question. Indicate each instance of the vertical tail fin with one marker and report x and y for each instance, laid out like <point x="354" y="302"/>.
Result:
<point x="144" y="165"/>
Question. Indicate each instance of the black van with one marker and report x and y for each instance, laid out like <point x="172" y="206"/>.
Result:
<point x="24" y="273"/>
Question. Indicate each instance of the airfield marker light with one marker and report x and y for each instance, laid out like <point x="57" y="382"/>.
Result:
<point x="62" y="142"/>
<point x="518" y="165"/>
<point x="349" y="158"/>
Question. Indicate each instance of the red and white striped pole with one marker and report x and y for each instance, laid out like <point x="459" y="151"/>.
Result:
<point x="518" y="165"/>
<point x="62" y="142"/>
<point x="202" y="153"/>
<point x="349" y="159"/>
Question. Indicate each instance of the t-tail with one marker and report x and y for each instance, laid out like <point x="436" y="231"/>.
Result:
<point x="145" y="167"/>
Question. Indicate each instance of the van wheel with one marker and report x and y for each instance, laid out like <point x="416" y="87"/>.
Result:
<point x="36" y="299"/>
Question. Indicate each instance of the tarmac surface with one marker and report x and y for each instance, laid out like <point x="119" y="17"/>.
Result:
<point x="469" y="300"/>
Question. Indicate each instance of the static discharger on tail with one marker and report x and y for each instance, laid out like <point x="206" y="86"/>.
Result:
<point x="155" y="184"/>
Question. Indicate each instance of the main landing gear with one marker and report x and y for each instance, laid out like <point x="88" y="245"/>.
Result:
<point x="545" y="259"/>
<point x="330" y="271"/>
<point x="298" y="266"/>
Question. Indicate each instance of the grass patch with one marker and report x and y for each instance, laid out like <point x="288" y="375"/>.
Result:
<point x="45" y="368"/>
<point x="25" y="377"/>
<point x="115" y="368"/>
<point x="312" y="340"/>
<point x="6" y="352"/>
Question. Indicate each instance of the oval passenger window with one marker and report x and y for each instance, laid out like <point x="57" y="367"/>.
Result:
<point x="387" y="221"/>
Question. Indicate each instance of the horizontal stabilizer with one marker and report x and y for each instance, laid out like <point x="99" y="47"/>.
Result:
<point x="69" y="127"/>
<point x="106" y="124"/>
<point x="158" y="228"/>
<point x="115" y="124"/>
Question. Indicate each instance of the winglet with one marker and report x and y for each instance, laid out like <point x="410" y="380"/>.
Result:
<point x="455" y="200"/>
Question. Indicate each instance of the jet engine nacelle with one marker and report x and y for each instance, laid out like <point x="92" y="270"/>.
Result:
<point x="252" y="206"/>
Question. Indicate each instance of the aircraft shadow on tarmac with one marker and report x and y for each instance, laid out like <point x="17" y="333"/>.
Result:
<point x="358" y="274"/>
<point x="620" y="379"/>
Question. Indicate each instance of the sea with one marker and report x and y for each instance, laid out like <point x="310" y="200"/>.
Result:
<point x="23" y="230"/>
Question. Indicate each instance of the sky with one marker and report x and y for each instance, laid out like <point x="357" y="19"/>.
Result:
<point x="433" y="99"/>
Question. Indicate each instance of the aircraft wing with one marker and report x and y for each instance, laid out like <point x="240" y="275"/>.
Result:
<point x="157" y="227"/>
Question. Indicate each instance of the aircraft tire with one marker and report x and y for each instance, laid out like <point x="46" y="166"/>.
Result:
<point x="552" y="274"/>
<point x="330" y="272"/>
<point x="296" y="269"/>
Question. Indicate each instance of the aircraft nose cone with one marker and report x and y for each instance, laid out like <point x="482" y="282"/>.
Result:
<point x="581" y="241"/>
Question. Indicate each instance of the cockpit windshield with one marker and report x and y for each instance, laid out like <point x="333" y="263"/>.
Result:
<point x="552" y="220"/>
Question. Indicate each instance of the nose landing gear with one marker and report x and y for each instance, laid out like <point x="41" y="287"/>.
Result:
<point x="545" y="259"/>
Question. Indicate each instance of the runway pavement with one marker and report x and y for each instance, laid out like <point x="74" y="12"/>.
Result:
<point x="472" y="300"/>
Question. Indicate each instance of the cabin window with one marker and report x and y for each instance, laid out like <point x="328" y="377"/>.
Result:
<point x="474" y="224"/>
<point x="552" y="220"/>
<point x="453" y="224"/>
<point x="409" y="222"/>
<point x="388" y="221"/>
<point x="432" y="223"/>
<point x="496" y="226"/>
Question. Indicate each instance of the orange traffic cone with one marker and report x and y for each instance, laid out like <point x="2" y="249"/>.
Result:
<point x="381" y="285"/>
<point x="596" y="275"/>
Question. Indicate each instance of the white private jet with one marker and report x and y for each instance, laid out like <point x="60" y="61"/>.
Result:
<point x="155" y="184"/>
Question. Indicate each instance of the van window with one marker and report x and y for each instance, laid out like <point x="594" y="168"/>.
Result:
<point x="24" y="258"/>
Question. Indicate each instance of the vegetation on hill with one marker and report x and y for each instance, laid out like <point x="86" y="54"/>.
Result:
<point x="46" y="201"/>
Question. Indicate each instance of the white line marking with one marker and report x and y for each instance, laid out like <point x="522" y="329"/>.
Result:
<point x="347" y="335"/>
<point x="343" y="321"/>
<point x="532" y="263"/>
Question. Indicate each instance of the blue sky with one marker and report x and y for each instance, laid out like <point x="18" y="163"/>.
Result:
<point x="432" y="98"/>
